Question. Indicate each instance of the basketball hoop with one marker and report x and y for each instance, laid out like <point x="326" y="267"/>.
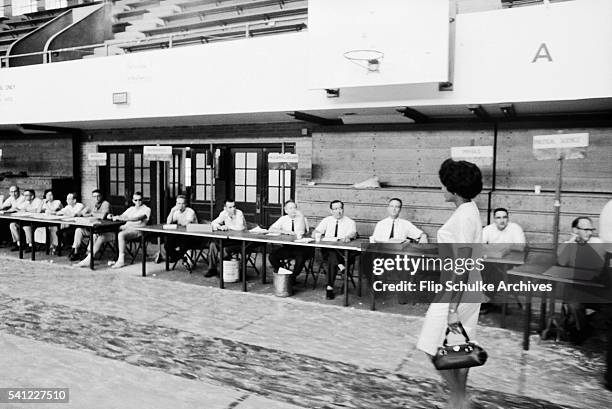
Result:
<point x="368" y="59"/>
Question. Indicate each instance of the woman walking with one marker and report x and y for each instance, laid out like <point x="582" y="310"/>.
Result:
<point x="461" y="182"/>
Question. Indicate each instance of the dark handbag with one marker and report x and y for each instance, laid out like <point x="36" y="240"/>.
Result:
<point x="459" y="356"/>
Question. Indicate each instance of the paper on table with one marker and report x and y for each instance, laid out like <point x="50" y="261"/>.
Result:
<point x="329" y="239"/>
<point x="258" y="230"/>
<point x="170" y="226"/>
<point x="304" y="240"/>
<point x="273" y="234"/>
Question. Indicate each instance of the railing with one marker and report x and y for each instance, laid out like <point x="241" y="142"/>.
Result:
<point x="238" y="30"/>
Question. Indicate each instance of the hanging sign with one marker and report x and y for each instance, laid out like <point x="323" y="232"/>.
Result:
<point x="560" y="146"/>
<point x="158" y="153"/>
<point x="283" y="160"/>
<point x="481" y="156"/>
<point x="97" y="159"/>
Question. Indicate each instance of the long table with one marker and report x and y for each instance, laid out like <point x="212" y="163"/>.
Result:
<point x="35" y="220"/>
<point x="554" y="275"/>
<point x="245" y="237"/>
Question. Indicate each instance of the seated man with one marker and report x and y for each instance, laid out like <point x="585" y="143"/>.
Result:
<point x="30" y="204"/>
<point x="49" y="206"/>
<point x="72" y="209"/>
<point x="292" y="223"/>
<point x="176" y="246"/>
<point x="582" y="234"/>
<point x="99" y="209"/>
<point x="393" y="227"/>
<point x="136" y="216"/>
<point x="12" y="203"/>
<point x="229" y="219"/>
<point x="506" y="236"/>
<point x="341" y="228"/>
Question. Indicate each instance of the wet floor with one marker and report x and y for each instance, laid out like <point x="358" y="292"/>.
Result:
<point x="119" y="340"/>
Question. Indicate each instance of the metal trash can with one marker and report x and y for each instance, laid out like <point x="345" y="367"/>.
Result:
<point x="282" y="283"/>
<point x="231" y="271"/>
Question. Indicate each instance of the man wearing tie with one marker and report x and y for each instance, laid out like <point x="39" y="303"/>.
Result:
<point x="292" y="223"/>
<point x="337" y="226"/>
<point x="395" y="228"/>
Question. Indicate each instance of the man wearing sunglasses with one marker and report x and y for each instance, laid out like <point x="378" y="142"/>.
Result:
<point x="135" y="216"/>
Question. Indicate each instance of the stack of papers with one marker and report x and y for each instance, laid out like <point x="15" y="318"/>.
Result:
<point x="273" y="234"/>
<point x="258" y="230"/>
<point x="329" y="239"/>
<point x="22" y="214"/>
<point x="304" y="240"/>
<point x="170" y="226"/>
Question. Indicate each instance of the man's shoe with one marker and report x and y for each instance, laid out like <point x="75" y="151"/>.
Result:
<point x="329" y="294"/>
<point x="15" y="247"/>
<point x="211" y="272"/>
<point x="28" y="249"/>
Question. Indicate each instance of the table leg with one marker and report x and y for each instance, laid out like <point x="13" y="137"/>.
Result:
<point x="359" y="277"/>
<point x="346" y="273"/>
<point x="91" y="247"/>
<point x="263" y="263"/>
<point x="372" y="294"/>
<point x="527" y="327"/>
<point x="143" y="245"/>
<point x="167" y="250"/>
<point x="47" y="238"/>
<point x="21" y="238"/>
<point x="244" y="265"/>
<point x="543" y="304"/>
<point x="33" y="245"/>
<point x="220" y="262"/>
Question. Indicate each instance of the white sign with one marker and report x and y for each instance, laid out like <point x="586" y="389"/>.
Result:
<point x="98" y="158"/>
<point x="479" y="155"/>
<point x="557" y="146"/>
<point x="158" y="153"/>
<point x="0" y="153"/>
<point x="283" y="160"/>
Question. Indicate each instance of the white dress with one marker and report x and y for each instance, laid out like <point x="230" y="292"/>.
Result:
<point x="464" y="226"/>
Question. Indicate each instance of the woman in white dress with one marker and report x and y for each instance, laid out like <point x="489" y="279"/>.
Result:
<point x="461" y="182"/>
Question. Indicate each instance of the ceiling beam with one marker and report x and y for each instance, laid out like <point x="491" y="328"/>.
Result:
<point x="319" y="120"/>
<point x="415" y="115"/>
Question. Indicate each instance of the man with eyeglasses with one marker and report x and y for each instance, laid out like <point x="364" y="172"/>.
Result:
<point x="136" y="216"/>
<point x="568" y="253"/>
<point x="506" y="236"/>
<point x="99" y="209"/>
<point x="30" y="204"/>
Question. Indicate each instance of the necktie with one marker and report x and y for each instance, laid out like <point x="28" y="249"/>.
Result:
<point x="336" y="231"/>
<point x="392" y="229"/>
<point x="292" y="225"/>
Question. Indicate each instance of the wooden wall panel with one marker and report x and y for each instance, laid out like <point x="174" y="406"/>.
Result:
<point x="398" y="158"/>
<point x="518" y="169"/>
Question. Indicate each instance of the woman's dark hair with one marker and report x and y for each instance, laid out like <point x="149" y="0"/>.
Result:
<point x="461" y="177"/>
<point x="47" y="191"/>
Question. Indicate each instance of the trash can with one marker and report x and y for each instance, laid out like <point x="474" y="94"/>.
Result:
<point x="282" y="283"/>
<point x="231" y="271"/>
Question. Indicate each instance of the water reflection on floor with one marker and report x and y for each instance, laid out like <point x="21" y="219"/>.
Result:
<point x="279" y="352"/>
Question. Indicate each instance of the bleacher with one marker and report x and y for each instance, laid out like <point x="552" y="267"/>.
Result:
<point x="158" y="24"/>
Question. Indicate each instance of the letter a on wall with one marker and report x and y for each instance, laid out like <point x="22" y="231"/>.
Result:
<point x="542" y="53"/>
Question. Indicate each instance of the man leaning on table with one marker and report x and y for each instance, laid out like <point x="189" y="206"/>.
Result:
<point x="181" y="215"/>
<point x="230" y="218"/>
<point x="505" y="236"/>
<point x="395" y="228"/>
<point x="292" y="223"/>
<point x="98" y="209"/>
<point x="30" y="204"/>
<point x="336" y="227"/>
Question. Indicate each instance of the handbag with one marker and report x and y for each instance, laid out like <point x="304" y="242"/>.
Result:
<point x="459" y="356"/>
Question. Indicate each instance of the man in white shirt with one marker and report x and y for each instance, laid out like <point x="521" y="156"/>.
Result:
<point x="503" y="231"/>
<point x="99" y="208"/>
<point x="177" y="247"/>
<point x="73" y="208"/>
<point x="229" y="219"/>
<point x="395" y="228"/>
<point x="12" y="202"/>
<point x="504" y="235"/>
<point x="295" y="224"/>
<point x="30" y="204"/>
<point x="339" y="227"/>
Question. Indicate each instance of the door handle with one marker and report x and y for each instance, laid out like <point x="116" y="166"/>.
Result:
<point x="258" y="204"/>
